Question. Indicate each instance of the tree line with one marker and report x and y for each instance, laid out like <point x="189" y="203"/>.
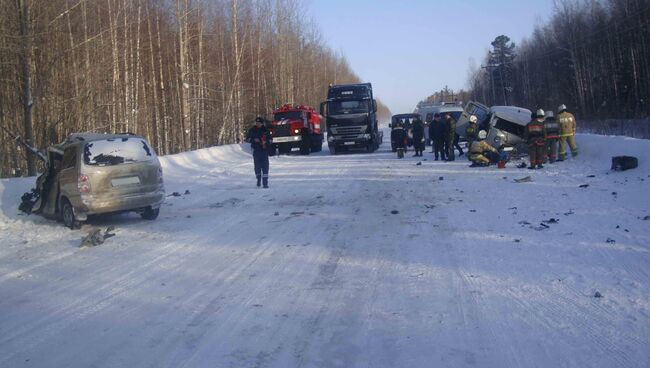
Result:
<point x="186" y="74"/>
<point x="592" y="55"/>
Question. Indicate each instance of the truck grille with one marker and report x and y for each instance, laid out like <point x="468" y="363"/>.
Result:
<point x="348" y="130"/>
<point x="282" y="130"/>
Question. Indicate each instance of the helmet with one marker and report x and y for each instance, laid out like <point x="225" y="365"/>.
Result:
<point x="561" y="108"/>
<point x="259" y="119"/>
<point x="473" y="119"/>
<point x="540" y="113"/>
<point x="482" y="134"/>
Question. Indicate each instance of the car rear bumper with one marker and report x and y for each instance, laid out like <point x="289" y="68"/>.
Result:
<point x="93" y="205"/>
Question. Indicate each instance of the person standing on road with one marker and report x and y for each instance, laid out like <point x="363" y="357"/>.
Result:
<point x="451" y="137"/>
<point x="418" y="137"/>
<point x="437" y="132"/>
<point x="552" y="131"/>
<point x="567" y="132"/>
<point x="260" y="140"/>
<point x="535" y="139"/>
<point x="398" y="136"/>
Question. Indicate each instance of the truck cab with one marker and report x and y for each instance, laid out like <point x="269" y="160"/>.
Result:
<point x="351" y="118"/>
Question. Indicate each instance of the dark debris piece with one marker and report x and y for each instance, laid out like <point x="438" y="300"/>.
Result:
<point x="551" y="221"/>
<point x="647" y="218"/>
<point x="441" y="178"/>
<point x="174" y="194"/>
<point x="610" y="240"/>
<point x="584" y="186"/>
<point x="597" y="294"/>
<point x="394" y="212"/>
<point x="419" y="163"/>
<point x="187" y="192"/>
<point x="591" y="176"/>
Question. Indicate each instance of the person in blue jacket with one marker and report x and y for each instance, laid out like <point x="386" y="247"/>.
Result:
<point x="261" y="141"/>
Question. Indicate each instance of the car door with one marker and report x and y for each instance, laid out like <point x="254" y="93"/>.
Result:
<point x="69" y="174"/>
<point x="472" y="108"/>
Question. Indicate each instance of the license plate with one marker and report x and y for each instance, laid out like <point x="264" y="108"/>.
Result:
<point x="349" y="143"/>
<point x="130" y="180"/>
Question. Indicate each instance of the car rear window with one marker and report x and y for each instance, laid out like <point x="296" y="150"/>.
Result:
<point x="117" y="151"/>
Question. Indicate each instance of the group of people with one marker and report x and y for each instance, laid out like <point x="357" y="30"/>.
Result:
<point x="545" y="134"/>
<point x="547" y="138"/>
<point x="441" y="132"/>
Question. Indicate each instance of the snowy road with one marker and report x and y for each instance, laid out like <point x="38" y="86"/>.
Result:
<point x="319" y="272"/>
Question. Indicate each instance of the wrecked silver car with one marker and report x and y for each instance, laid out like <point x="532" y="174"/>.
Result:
<point x="91" y="174"/>
<point x="505" y="125"/>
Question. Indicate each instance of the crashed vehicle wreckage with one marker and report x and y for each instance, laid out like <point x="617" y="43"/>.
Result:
<point x="91" y="174"/>
<point x="505" y="125"/>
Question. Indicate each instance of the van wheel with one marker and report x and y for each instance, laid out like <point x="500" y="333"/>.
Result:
<point x="67" y="212"/>
<point x="150" y="213"/>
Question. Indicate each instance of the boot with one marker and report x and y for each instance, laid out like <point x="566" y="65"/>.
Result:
<point x="540" y="166"/>
<point x="531" y="167"/>
<point x="266" y="182"/>
<point x="259" y="181"/>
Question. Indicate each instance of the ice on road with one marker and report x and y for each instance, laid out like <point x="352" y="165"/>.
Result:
<point x="354" y="260"/>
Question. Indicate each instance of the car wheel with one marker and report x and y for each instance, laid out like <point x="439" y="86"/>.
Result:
<point x="150" y="213"/>
<point x="67" y="213"/>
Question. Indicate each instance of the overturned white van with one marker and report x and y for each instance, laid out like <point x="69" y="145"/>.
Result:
<point x="505" y="125"/>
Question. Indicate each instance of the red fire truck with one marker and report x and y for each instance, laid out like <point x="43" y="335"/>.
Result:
<point x="297" y="127"/>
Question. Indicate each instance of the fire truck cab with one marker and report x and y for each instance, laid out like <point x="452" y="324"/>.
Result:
<point x="297" y="127"/>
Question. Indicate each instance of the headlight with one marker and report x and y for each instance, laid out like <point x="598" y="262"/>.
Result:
<point x="296" y="131"/>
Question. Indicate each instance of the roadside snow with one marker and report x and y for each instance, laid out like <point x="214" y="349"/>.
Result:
<point x="347" y="261"/>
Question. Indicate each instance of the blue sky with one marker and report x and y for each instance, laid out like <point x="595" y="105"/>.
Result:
<point x="409" y="49"/>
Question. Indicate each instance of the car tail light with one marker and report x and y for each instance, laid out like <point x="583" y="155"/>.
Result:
<point x="83" y="184"/>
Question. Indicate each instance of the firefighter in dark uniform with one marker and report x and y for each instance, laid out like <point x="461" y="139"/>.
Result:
<point x="536" y="142"/>
<point x="438" y="134"/>
<point x="451" y="136"/>
<point x="552" y="131"/>
<point x="398" y="135"/>
<point x="471" y="132"/>
<point x="418" y="137"/>
<point x="260" y="141"/>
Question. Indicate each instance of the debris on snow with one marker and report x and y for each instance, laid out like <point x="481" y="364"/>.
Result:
<point x="551" y="221"/>
<point x="187" y="192"/>
<point x="610" y="241"/>
<point x="647" y="218"/>
<point x="95" y="237"/>
<point x="419" y="163"/>
<point x="597" y="294"/>
<point x="583" y="186"/>
<point x="394" y="212"/>
<point x="526" y="179"/>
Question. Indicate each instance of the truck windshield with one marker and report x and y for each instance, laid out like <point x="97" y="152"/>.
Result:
<point x="348" y="107"/>
<point x="117" y="151"/>
<point x="290" y="115"/>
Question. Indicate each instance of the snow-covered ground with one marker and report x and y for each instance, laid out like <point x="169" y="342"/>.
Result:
<point x="347" y="261"/>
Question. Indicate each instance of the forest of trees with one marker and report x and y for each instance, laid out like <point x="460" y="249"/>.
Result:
<point x="186" y="74"/>
<point x="592" y="55"/>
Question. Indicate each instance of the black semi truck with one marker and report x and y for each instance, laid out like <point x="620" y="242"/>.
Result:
<point x="351" y="117"/>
